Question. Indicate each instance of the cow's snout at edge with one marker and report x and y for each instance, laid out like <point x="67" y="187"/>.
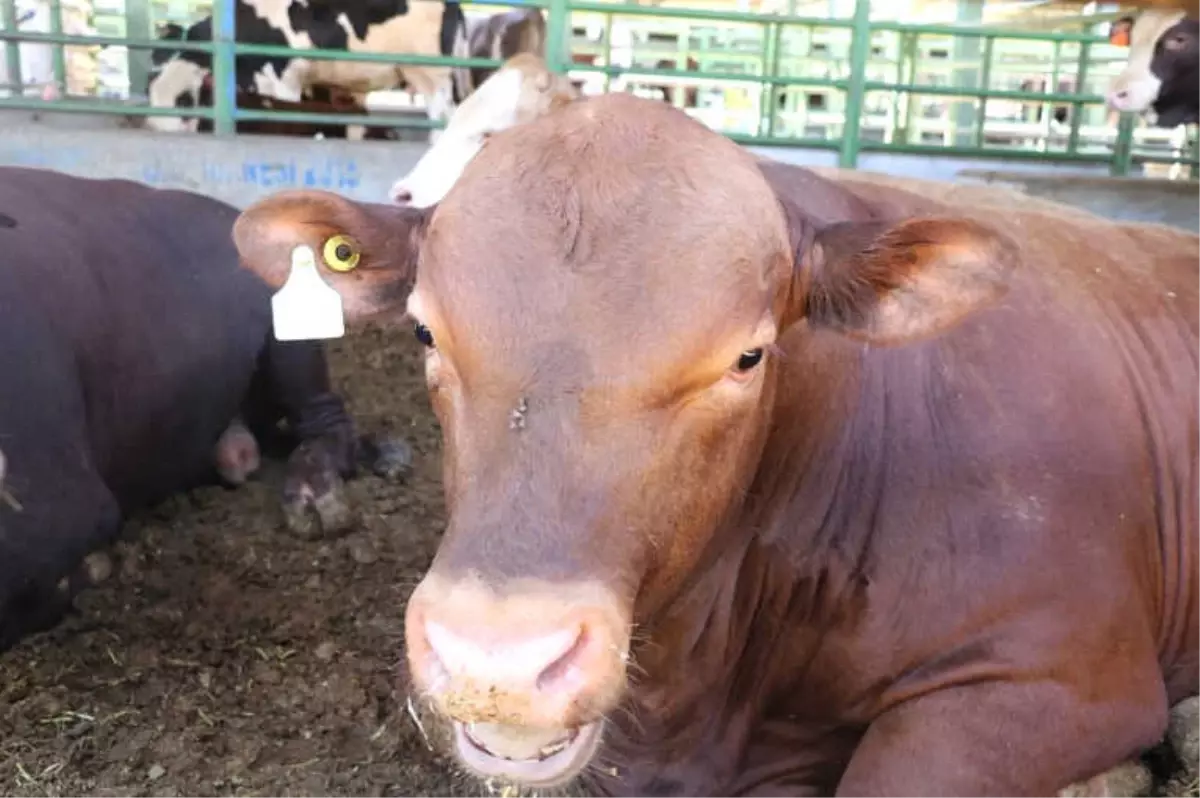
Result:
<point x="525" y="676"/>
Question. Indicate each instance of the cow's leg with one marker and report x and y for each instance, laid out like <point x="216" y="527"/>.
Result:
<point x="357" y="132"/>
<point x="1027" y="736"/>
<point x="296" y="380"/>
<point x="328" y="451"/>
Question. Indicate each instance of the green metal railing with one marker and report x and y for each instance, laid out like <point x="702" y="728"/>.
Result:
<point x="764" y="77"/>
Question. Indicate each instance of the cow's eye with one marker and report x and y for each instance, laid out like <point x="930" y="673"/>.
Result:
<point x="341" y="253"/>
<point x="749" y="359"/>
<point x="423" y="334"/>
<point x="1176" y="42"/>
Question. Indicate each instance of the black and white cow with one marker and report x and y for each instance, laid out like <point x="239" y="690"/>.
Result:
<point x="1161" y="74"/>
<point x="503" y="36"/>
<point x="419" y="27"/>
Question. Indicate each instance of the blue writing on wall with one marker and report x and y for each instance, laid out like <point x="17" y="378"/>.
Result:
<point x="270" y="174"/>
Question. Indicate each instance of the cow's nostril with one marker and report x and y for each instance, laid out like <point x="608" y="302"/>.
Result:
<point x="540" y="661"/>
<point x="401" y="196"/>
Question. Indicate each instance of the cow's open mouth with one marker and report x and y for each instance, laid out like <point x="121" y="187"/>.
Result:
<point x="531" y="757"/>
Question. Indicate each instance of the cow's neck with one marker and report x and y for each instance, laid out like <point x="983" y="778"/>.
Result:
<point x="785" y="571"/>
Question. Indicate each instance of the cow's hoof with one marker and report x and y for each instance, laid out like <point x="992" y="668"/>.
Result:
<point x="314" y="499"/>
<point x="1130" y="778"/>
<point x="390" y="458"/>
<point x="313" y="516"/>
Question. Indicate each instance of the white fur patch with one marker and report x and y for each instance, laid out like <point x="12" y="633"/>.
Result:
<point x="176" y="79"/>
<point x="492" y="108"/>
<point x="1136" y="88"/>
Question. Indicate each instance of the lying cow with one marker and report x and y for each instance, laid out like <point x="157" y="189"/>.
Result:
<point x="1161" y="74"/>
<point x="522" y="90"/>
<point x="138" y="360"/>
<point x="503" y="36"/>
<point x="776" y="486"/>
<point x="417" y="27"/>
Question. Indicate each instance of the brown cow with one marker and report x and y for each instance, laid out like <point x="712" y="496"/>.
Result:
<point x="773" y="486"/>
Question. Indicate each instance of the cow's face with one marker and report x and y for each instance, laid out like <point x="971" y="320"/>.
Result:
<point x="600" y="300"/>
<point x="1176" y="62"/>
<point x="520" y="91"/>
<point x="1160" y="74"/>
<point x="177" y="84"/>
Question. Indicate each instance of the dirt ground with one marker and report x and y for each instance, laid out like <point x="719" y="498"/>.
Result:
<point x="226" y="656"/>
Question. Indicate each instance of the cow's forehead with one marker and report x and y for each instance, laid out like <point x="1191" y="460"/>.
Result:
<point x="626" y="229"/>
<point x="1150" y="25"/>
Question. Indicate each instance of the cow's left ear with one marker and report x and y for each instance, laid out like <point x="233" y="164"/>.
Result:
<point x="366" y="252"/>
<point x="896" y="282"/>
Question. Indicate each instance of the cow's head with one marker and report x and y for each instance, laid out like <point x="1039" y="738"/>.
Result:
<point x="601" y="299"/>
<point x="523" y="89"/>
<point x="1161" y="73"/>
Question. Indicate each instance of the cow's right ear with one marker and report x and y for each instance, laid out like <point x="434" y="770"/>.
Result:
<point x="366" y="252"/>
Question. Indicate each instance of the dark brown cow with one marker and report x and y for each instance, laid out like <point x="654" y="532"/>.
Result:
<point x="779" y="486"/>
<point x="137" y="360"/>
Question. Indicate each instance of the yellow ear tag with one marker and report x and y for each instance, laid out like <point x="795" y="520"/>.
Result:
<point x="306" y="307"/>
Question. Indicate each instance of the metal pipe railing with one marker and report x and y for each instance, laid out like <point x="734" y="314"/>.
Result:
<point x="225" y="51"/>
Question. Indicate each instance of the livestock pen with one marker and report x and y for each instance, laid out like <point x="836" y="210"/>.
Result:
<point x="863" y="89"/>
<point x="226" y="656"/>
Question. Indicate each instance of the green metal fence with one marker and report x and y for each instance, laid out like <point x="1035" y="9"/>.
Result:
<point x="767" y="60"/>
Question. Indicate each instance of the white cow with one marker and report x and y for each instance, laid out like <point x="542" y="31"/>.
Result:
<point x="522" y="90"/>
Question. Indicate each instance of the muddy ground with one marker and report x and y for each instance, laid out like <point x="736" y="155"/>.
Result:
<point x="226" y="656"/>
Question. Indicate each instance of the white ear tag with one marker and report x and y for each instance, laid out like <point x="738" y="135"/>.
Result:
<point x="307" y="308"/>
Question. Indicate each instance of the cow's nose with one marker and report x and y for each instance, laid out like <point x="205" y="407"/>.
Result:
<point x="520" y="660"/>
<point x="538" y="662"/>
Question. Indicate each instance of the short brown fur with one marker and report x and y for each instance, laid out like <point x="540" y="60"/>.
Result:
<point x="941" y="541"/>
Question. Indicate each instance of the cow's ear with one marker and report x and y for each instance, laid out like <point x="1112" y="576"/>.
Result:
<point x="896" y="282"/>
<point x="366" y="252"/>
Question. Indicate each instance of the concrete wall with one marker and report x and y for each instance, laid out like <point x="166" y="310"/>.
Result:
<point x="245" y="168"/>
<point x="239" y="170"/>
<point x="1173" y="202"/>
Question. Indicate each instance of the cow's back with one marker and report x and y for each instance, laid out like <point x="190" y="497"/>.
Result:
<point x="142" y="290"/>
